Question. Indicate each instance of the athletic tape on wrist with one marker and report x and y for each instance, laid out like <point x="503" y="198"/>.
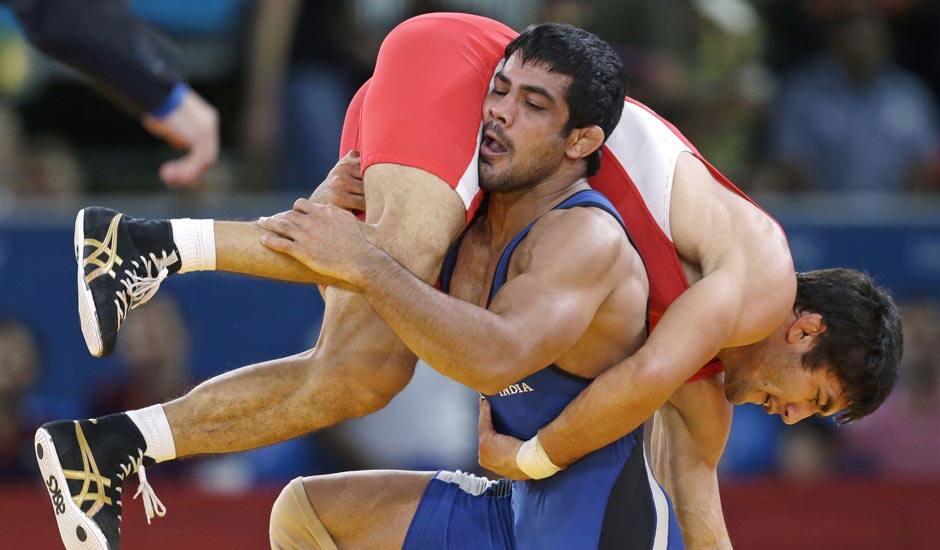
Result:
<point x="533" y="460"/>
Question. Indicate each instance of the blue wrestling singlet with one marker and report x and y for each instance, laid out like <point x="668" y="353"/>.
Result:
<point x="608" y="499"/>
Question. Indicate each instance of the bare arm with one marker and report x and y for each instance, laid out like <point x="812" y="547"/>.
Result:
<point x="747" y="289"/>
<point x="687" y="437"/>
<point x="535" y="317"/>
<point x="137" y="66"/>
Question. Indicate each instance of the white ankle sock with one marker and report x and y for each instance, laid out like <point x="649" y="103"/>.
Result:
<point x="195" y="239"/>
<point x="152" y="423"/>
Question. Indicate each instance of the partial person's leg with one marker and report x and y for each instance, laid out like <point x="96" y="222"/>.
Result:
<point x="238" y="247"/>
<point x="358" y="364"/>
<point x="122" y="261"/>
<point x="394" y="509"/>
<point x="371" y="509"/>
<point x="239" y="250"/>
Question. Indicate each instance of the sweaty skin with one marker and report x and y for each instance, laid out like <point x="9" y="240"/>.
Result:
<point x="576" y="297"/>
<point x="329" y="241"/>
<point x="238" y="246"/>
<point x="745" y="292"/>
<point x="743" y="286"/>
<point x="549" y="314"/>
<point x="358" y="363"/>
<point x="592" y="324"/>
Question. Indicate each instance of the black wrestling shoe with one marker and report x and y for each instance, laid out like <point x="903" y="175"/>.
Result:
<point x="121" y="263"/>
<point x="84" y="464"/>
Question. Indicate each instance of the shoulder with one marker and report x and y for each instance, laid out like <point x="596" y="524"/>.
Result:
<point x="708" y="209"/>
<point x="586" y="241"/>
<point x="723" y="233"/>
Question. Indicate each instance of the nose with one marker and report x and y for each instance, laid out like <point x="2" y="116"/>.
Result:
<point x="793" y="413"/>
<point x="500" y="109"/>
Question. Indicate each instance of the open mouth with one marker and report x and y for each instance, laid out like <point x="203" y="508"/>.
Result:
<point x="491" y="145"/>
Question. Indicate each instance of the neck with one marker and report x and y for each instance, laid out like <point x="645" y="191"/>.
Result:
<point x="508" y="213"/>
<point x="735" y="358"/>
<point x="730" y="358"/>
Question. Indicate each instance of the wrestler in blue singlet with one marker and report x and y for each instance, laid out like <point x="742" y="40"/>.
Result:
<point x="608" y="499"/>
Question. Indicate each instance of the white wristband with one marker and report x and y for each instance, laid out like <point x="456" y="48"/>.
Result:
<point x="533" y="460"/>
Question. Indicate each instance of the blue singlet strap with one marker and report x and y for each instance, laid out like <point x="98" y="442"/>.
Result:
<point x="588" y="197"/>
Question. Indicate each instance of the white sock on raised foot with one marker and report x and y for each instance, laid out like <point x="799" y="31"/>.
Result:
<point x="195" y="240"/>
<point x="152" y="423"/>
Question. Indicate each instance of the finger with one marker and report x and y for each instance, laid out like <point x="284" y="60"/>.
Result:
<point x="183" y="172"/>
<point x="280" y="227"/>
<point x="352" y="170"/>
<point x="299" y="219"/>
<point x="279" y="244"/>
<point x="190" y="168"/>
<point x="352" y="185"/>
<point x="346" y="201"/>
<point x="303" y="205"/>
<point x="351" y="157"/>
<point x="279" y="217"/>
<point x="352" y="201"/>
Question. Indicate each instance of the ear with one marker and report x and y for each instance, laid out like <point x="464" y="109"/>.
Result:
<point x="805" y="330"/>
<point x="584" y="141"/>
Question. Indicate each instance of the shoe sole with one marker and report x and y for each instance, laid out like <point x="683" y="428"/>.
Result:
<point x="91" y="328"/>
<point x="78" y="531"/>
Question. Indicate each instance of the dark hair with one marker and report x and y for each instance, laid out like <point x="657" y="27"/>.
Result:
<point x="863" y="342"/>
<point x="597" y="88"/>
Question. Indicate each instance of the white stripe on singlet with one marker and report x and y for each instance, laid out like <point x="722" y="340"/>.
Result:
<point x="468" y="187"/>
<point x="661" y="507"/>
<point x="647" y="150"/>
<point x="468" y="483"/>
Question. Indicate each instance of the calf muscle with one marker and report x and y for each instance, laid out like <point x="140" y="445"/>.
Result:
<point x="358" y="364"/>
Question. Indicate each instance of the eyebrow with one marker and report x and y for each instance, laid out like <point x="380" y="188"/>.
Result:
<point x="527" y="87"/>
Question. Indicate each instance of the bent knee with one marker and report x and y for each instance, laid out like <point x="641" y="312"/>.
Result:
<point x="413" y="215"/>
<point x="372" y="389"/>
<point x="353" y="381"/>
<point x="294" y="523"/>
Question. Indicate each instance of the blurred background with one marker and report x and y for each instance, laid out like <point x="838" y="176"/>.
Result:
<point x="824" y="110"/>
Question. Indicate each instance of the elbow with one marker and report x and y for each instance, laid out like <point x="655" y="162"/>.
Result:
<point x="655" y="376"/>
<point x="501" y="374"/>
<point x="495" y="379"/>
<point x="489" y="388"/>
<point x="477" y="373"/>
<point x="502" y="366"/>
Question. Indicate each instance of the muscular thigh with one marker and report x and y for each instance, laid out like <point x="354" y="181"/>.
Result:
<point x="414" y="216"/>
<point x="370" y="509"/>
<point x="418" y="139"/>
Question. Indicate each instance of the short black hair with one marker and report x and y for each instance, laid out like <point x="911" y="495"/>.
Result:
<point x="863" y="341"/>
<point x="597" y="89"/>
